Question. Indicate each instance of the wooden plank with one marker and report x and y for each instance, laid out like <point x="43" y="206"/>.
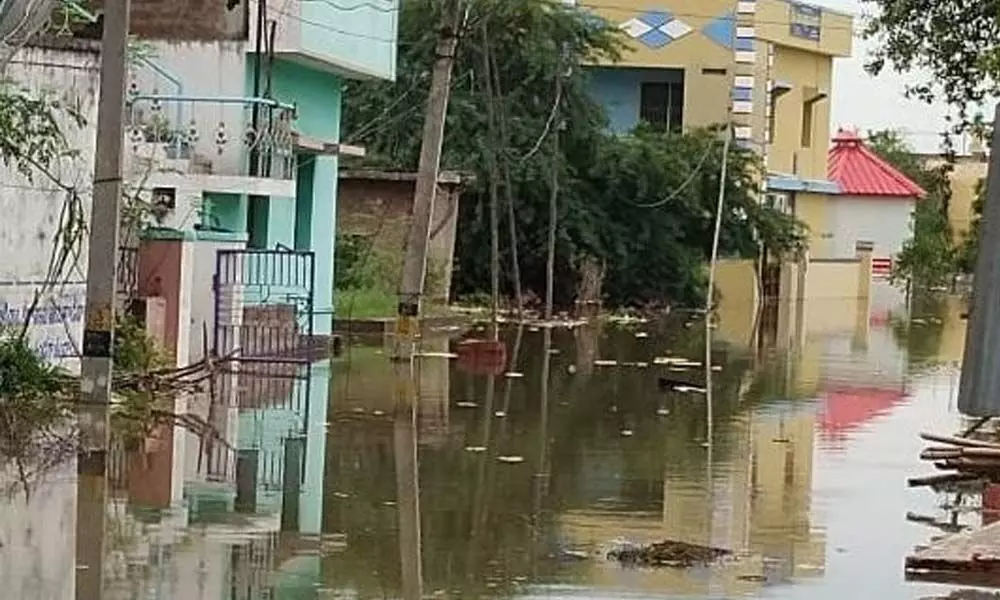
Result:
<point x="969" y="554"/>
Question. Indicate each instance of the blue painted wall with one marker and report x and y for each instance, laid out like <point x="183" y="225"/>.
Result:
<point x="309" y="220"/>
<point x="357" y="35"/>
<point x="617" y="89"/>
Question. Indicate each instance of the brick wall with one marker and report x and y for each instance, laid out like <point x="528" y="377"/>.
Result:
<point x="187" y="20"/>
<point x="373" y="202"/>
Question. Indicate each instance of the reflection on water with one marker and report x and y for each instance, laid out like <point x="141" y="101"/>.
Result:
<point x="366" y="479"/>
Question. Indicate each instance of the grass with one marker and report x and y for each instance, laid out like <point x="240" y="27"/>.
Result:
<point x="374" y="303"/>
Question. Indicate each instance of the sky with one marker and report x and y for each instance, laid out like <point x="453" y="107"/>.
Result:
<point x="865" y="102"/>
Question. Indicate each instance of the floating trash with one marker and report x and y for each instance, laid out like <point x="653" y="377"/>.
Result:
<point x="605" y="363"/>
<point x="669" y="553"/>
<point x="341" y="495"/>
<point x="662" y="412"/>
<point x="554" y="351"/>
<point x="466" y="404"/>
<point x="513" y="375"/>
<point x="571" y="369"/>
<point x="378" y="413"/>
<point x="534" y="329"/>
<point x="686" y="389"/>
<point x="500" y="414"/>
<point x="627" y="433"/>
<point x="475" y="449"/>
<point x="437" y="355"/>
<point x="716" y="368"/>
<point x="511" y="459"/>
<point x="641" y="334"/>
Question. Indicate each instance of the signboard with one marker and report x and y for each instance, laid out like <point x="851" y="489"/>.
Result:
<point x="804" y="21"/>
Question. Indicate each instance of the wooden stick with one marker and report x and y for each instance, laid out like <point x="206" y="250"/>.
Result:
<point x="940" y="453"/>
<point x="982" y="452"/>
<point x="941" y="479"/>
<point x="956" y="441"/>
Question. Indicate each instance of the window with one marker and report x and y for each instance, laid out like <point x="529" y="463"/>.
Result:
<point x="661" y="104"/>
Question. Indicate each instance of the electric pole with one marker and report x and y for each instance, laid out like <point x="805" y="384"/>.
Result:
<point x="414" y="273"/>
<point x="98" y="334"/>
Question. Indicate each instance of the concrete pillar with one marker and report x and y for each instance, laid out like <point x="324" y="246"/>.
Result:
<point x="863" y="251"/>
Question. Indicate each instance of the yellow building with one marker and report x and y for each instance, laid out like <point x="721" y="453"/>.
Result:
<point x="967" y="171"/>
<point x="766" y="63"/>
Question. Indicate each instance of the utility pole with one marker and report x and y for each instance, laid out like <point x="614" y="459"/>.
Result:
<point x="979" y="390"/>
<point x="494" y="174"/>
<point x="550" y="263"/>
<point x="411" y="288"/>
<point x="102" y="272"/>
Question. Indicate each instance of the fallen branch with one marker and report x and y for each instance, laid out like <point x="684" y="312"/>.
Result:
<point x="941" y="479"/>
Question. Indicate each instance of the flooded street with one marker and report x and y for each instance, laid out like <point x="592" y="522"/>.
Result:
<point x="498" y="487"/>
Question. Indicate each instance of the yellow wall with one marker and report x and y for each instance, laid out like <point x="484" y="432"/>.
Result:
<point x="812" y="210"/>
<point x="832" y="279"/>
<point x="808" y="73"/>
<point x="964" y="180"/>
<point x="835" y="29"/>
<point x="736" y="284"/>
<point x="690" y="51"/>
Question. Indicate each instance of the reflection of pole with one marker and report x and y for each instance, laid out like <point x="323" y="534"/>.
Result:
<point x="408" y="482"/>
<point x="480" y="514"/>
<point x="542" y="471"/>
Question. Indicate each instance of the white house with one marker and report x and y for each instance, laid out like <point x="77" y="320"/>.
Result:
<point x="875" y="203"/>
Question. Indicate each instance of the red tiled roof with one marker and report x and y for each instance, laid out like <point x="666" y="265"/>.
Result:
<point x="860" y="172"/>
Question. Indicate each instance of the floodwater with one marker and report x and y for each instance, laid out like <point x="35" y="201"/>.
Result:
<point x="517" y="486"/>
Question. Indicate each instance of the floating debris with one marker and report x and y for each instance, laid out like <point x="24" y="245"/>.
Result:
<point x="500" y="414"/>
<point x="752" y="577"/>
<point x="513" y="375"/>
<point x="437" y="355"/>
<point x="554" y="351"/>
<point x="512" y="460"/>
<point x="475" y="449"/>
<point x="669" y="553"/>
<point x="534" y="329"/>
<point x="641" y="365"/>
<point x="627" y="433"/>
<point x="605" y="363"/>
<point x="662" y="412"/>
<point x="341" y="495"/>
<point x="378" y="413"/>
<point x="641" y="334"/>
<point x="685" y="389"/>
<point x="466" y="404"/>
<point x="571" y="369"/>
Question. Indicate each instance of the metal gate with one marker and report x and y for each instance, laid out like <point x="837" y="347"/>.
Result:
<point x="264" y="328"/>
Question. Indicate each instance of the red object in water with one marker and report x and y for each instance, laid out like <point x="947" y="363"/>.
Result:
<point x="482" y="357"/>
<point x="991" y="503"/>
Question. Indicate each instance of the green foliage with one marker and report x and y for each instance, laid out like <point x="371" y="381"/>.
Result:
<point x="367" y="278"/>
<point x="32" y="137"/>
<point x="928" y="257"/>
<point x="953" y="42"/>
<point x="612" y="189"/>
<point x="136" y="353"/>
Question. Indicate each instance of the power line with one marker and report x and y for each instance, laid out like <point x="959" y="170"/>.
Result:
<point x="707" y="17"/>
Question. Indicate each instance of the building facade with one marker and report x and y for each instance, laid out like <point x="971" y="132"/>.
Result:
<point x="765" y="64"/>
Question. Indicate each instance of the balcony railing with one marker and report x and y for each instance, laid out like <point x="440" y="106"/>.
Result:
<point x="212" y="135"/>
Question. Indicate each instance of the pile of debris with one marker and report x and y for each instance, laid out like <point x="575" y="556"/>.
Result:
<point x="668" y="553"/>
<point x="964" y="459"/>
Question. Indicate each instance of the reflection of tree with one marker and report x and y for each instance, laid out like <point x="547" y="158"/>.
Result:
<point x="921" y="332"/>
<point x="458" y="486"/>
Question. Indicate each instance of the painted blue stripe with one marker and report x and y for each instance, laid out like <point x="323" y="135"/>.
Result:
<point x="744" y="94"/>
<point x="744" y="44"/>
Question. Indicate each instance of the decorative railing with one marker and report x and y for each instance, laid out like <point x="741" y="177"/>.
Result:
<point x="213" y="135"/>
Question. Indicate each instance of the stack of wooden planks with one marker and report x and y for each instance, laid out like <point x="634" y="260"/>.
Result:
<point x="960" y="459"/>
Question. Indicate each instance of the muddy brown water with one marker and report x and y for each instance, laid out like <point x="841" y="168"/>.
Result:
<point x="523" y="488"/>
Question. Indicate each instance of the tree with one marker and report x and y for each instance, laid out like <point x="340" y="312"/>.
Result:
<point x="928" y="257"/>
<point x="954" y="42"/>
<point x="968" y="250"/>
<point x="640" y="205"/>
